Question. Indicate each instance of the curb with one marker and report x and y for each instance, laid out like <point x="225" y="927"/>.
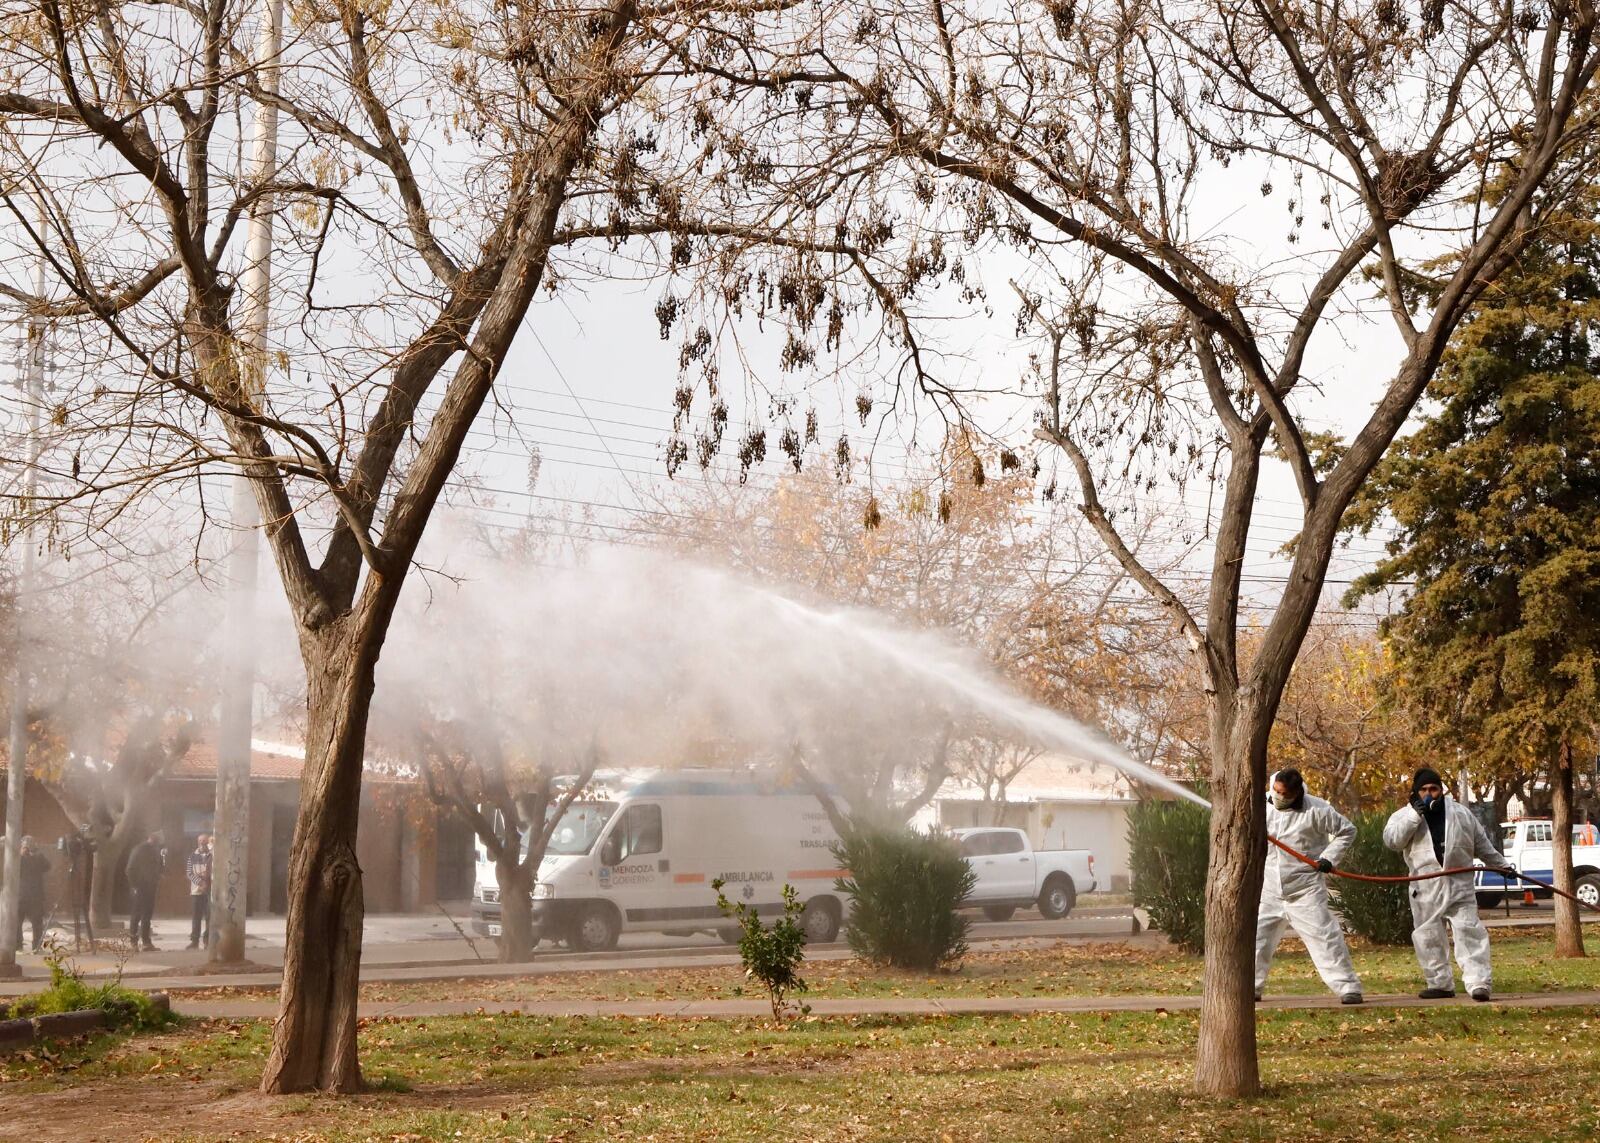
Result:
<point x="19" y="1033"/>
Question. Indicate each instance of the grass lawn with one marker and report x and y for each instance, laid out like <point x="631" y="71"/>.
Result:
<point x="1430" y="1074"/>
<point x="1522" y="963"/>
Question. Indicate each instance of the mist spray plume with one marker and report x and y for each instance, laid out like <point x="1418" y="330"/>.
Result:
<point x="650" y="658"/>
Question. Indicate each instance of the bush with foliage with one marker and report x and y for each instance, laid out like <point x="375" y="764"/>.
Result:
<point x="905" y="888"/>
<point x="771" y="955"/>
<point x="1380" y="913"/>
<point x="1169" y="846"/>
<point x="69" y="992"/>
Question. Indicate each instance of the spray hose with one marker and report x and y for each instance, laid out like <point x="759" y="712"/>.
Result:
<point x="1377" y="879"/>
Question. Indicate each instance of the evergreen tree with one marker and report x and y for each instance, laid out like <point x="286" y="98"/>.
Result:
<point x="1497" y="501"/>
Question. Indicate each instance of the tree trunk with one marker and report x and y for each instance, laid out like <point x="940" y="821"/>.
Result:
<point x="1501" y="802"/>
<point x="516" y="908"/>
<point x="314" y="1040"/>
<point x="111" y="857"/>
<point x="1569" y="929"/>
<point x="1225" y="1062"/>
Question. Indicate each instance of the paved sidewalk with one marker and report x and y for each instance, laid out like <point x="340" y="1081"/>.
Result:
<point x="375" y="970"/>
<point x="948" y="1006"/>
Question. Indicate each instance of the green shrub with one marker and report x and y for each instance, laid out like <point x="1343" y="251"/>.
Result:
<point x="771" y="955"/>
<point x="904" y="889"/>
<point x="1169" y="845"/>
<point x="1380" y="913"/>
<point x="69" y="992"/>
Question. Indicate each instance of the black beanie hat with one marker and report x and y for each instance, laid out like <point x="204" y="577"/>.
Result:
<point x="1292" y="779"/>
<point x="1426" y="777"/>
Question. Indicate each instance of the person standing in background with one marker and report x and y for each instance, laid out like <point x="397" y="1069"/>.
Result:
<point x="145" y="865"/>
<point x="33" y="867"/>
<point x="198" y="869"/>
<point x="80" y="849"/>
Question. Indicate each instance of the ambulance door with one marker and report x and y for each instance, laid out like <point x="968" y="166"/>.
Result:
<point x="633" y="864"/>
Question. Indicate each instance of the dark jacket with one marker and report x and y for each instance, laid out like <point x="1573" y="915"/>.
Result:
<point x="145" y="865"/>
<point x="34" y="866"/>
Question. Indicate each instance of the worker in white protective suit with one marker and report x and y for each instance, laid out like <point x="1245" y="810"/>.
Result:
<point x="1432" y="833"/>
<point x="1296" y="894"/>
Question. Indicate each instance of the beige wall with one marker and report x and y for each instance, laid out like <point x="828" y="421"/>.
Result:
<point x="1101" y="829"/>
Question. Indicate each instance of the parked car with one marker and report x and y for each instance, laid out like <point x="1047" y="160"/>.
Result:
<point x="1528" y="843"/>
<point x="1013" y="875"/>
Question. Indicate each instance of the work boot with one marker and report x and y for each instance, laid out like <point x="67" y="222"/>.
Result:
<point x="1437" y="993"/>
<point x="1258" y="998"/>
<point x="192" y="945"/>
<point x="1481" y="995"/>
<point x="148" y="947"/>
<point x="1350" y="998"/>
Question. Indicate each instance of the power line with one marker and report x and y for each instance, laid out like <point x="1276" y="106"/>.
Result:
<point x="1043" y="568"/>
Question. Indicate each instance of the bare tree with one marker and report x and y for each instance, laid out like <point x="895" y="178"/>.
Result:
<point x="515" y="806"/>
<point x="992" y="763"/>
<point x="427" y="162"/>
<point x="1106" y="145"/>
<point x="116" y="696"/>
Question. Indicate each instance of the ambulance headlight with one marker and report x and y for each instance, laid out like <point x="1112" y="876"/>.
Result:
<point x="543" y="891"/>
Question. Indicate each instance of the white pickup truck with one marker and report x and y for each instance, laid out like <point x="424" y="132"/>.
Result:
<point x="1013" y="875"/>
<point x="1527" y="843"/>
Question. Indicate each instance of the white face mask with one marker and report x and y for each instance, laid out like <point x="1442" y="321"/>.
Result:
<point x="1284" y="801"/>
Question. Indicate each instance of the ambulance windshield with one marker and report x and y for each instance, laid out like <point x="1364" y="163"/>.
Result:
<point x="579" y="827"/>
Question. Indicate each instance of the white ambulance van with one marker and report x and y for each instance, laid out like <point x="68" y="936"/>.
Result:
<point x="644" y="860"/>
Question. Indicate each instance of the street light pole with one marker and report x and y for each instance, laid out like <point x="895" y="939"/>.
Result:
<point x="236" y="723"/>
<point x="32" y="384"/>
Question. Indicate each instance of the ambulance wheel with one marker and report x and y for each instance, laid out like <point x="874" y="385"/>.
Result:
<point x="1587" y="889"/>
<point x="999" y="912"/>
<point x="596" y="929"/>
<point x="1490" y="900"/>
<point x="729" y="935"/>
<point x="1057" y="898"/>
<point x="820" y="921"/>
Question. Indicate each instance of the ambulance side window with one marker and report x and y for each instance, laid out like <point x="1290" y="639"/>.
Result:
<point x="638" y="833"/>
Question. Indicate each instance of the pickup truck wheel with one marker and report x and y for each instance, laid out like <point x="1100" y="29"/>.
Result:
<point x="820" y="921"/>
<point x="1057" y="897"/>
<point x="1587" y="889"/>
<point x="596" y="929"/>
<point x="729" y="934"/>
<point x="999" y="912"/>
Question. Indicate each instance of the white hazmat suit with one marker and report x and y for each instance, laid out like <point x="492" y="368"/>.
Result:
<point x="1444" y="899"/>
<point x="1293" y="893"/>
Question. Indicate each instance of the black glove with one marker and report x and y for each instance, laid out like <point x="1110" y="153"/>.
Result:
<point x="1418" y="804"/>
<point x="1324" y="865"/>
<point x="1508" y="871"/>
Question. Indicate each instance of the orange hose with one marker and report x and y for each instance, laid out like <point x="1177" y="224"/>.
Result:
<point x="1396" y="880"/>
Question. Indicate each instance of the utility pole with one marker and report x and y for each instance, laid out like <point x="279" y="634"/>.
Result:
<point x="230" y="867"/>
<point x="32" y="385"/>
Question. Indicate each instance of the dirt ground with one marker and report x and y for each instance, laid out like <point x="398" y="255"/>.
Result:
<point x="134" y="1109"/>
